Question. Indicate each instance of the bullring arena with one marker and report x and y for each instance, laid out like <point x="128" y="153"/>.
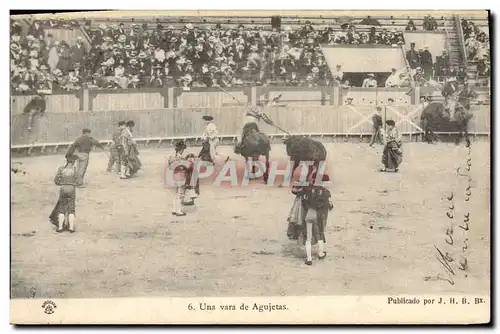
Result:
<point x="380" y="235"/>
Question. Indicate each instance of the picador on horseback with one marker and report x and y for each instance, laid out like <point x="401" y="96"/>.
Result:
<point x="250" y="122"/>
<point x="210" y="140"/>
<point x="454" y="114"/>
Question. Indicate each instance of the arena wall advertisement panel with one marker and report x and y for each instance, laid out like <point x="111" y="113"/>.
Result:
<point x="362" y="60"/>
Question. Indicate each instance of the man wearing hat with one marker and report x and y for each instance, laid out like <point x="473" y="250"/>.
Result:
<point x="35" y="106"/>
<point x="311" y="206"/>
<point x="83" y="145"/>
<point x="177" y="163"/>
<point x="78" y="51"/>
<point x="211" y="135"/>
<point x="67" y="179"/>
<point x="370" y="81"/>
<point x="412" y="56"/>
<point x="129" y="151"/>
<point x="115" y="149"/>
<point x="377" y="126"/>
<point x="392" y="155"/>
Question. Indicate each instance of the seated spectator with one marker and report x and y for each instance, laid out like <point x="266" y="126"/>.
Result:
<point x="410" y="26"/>
<point x="370" y="81"/>
<point x="405" y="80"/>
<point x="393" y="80"/>
<point x="453" y="71"/>
<point x="157" y="77"/>
<point x="338" y="74"/>
<point x="293" y="80"/>
<point x="462" y="75"/>
<point x="483" y="67"/>
<point x="419" y="77"/>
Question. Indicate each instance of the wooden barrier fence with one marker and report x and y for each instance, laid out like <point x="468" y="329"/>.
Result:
<point x="57" y="128"/>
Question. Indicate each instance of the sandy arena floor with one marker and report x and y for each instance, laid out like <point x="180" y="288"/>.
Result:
<point x="379" y="237"/>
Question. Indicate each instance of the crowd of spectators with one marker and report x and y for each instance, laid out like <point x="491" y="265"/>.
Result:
<point x="121" y="57"/>
<point x="135" y="56"/>
<point x="478" y="49"/>
<point x="425" y="67"/>
<point x="205" y="58"/>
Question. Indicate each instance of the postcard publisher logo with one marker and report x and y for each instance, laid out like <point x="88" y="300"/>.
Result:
<point x="49" y="306"/>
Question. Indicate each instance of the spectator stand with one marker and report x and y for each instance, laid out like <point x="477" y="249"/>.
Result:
<point x="267" y="67"/>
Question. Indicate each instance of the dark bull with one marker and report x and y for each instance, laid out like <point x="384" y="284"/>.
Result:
<point x="300" y="148"/>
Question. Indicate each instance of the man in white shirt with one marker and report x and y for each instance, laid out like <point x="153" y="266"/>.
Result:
<point x="211" y="135"/>
<point x="338" y="74"/>
<point x="370" y="81"/>
<point x="159" y="54"/>
<point x="393" y="80"/>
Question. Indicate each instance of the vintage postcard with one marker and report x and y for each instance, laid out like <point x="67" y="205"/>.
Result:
<point x="250" y="167"/>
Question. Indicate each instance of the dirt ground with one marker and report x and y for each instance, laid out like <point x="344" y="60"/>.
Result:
<point x="380" y="234"/>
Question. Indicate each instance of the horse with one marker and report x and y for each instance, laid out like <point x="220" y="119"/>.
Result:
<point x="300" y="148"/>
<point x="253" y="145"/>
<point x="435" y="116"/>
